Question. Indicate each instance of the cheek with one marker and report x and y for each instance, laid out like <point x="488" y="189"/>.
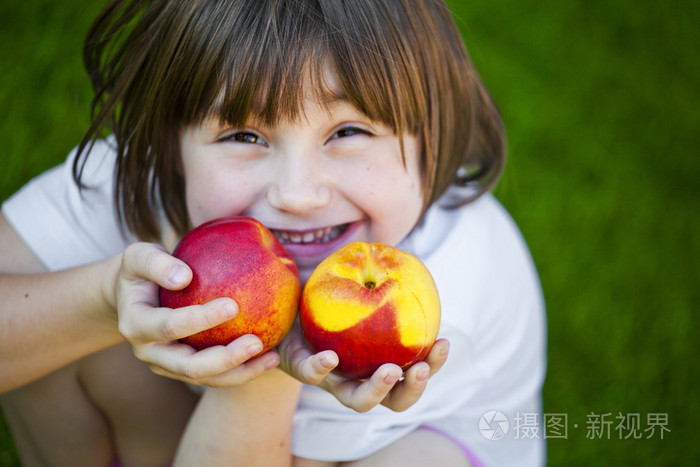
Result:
<point x="405" y="198"/>
<point x="393" y="205"/>
<point x="211" y="194"/>
<point x="197" y="195"/>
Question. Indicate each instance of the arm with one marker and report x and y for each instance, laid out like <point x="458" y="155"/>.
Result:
<point x="47" y="319"/>
<point x="249" y="424"/>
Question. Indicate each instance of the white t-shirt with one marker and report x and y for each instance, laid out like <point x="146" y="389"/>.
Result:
<point x="488" y="394"/>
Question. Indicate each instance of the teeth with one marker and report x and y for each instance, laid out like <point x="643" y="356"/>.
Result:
<point x="317" y="236"/>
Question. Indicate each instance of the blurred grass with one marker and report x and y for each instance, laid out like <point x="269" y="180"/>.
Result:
<point x="599" y="100"/>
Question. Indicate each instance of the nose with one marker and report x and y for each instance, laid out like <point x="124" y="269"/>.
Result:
<point x="298" y="184"/>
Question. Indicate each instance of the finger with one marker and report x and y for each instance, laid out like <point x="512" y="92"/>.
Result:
<point x="145" y="267"/>
<point x="364" y="395"/>
<point x="218" y="359"/>
<point x="407" y="392"/>
<point x="314" y="368"/>
<point x="241" y="374"/>
<point x="151" y="262"/>
<point x="146" y="324"/>
<point x="247" y="371"/>
<point x="438" y="355"/>
<point x="301" y="363"/>
<point x="214" y="366"/>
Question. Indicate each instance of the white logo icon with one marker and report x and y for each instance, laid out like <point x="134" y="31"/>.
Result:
<point x="494" y="425"/>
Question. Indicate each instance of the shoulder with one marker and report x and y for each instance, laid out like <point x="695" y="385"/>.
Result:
<point x="97" y="171"/>
<point x="99" y="163"/>
<point x="64" y="225"/>
<point x="480" y="241"/>
<point x="485" y="275"/>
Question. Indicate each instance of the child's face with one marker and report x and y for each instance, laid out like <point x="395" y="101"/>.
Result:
<point x="330" y="178"/>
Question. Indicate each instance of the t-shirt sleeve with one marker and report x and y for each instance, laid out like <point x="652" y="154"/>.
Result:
<point x="66" y="226"/>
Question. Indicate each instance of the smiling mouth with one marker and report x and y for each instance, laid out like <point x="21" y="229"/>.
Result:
<point x="306" y="237"/>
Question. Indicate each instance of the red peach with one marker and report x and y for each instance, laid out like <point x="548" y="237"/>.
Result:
<point x="239" y="258"/>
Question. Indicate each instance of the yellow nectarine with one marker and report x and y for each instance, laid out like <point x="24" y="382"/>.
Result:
<point x="372" y="304"/>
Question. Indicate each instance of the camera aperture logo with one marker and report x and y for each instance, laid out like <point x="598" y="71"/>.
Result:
<point x="494" y="425"/>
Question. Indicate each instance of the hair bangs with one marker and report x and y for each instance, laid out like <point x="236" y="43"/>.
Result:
<point x="255" y="64"/>
<point x="261" y="63"/>
<point x="374" y="65"/>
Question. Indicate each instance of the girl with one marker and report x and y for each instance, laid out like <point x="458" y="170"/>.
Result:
<point x="329" y="121"/>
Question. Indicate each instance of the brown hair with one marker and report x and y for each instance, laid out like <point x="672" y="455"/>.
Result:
<point x="158" y="66"/>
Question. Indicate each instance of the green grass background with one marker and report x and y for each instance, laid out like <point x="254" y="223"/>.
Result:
<point x="600" y="103"/>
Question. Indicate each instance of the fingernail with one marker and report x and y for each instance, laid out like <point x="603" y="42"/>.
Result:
<point x="177" y="274"/>
<point x="422" y="374"/>
<point x="270" y="364"/>
<point x="229" y="310"/>
<point x="325" y="363"/>
<point x="444" y="350"/>
<point x="390" y="378"/>
<point x="254" y="349"/>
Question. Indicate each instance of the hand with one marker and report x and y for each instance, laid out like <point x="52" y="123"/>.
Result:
<point x="153" y="331"/>
<point x="384" y="387"/>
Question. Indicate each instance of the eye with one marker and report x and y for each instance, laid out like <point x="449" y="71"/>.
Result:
<point x="350" y="131"/>
<point x="243" y="137"/>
